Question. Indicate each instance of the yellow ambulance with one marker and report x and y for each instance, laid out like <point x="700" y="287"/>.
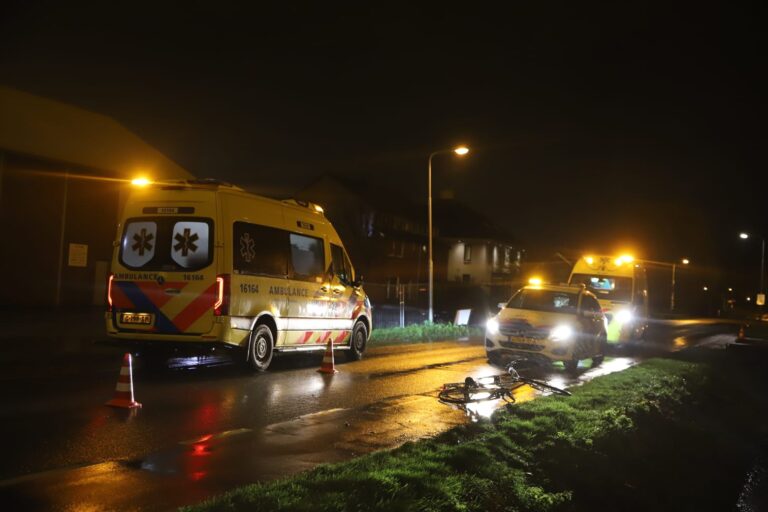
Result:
<point x="199" y="264"/>
<point x="621" y="286"/>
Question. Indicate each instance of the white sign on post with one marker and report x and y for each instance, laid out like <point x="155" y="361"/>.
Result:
<point x="462" y="317"/>
<point x="78" y="255"/>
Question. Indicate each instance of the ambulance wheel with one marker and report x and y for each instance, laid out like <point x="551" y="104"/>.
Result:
<point x="260" y="348"/>
<point x="357" y="342"/>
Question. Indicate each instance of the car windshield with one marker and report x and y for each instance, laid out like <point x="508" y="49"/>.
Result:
<point x="606" y="287"/>
<point x="545" y="300"/>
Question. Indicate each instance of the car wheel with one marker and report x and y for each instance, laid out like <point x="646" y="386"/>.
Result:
<point x="357" y="342"/>
<point x="602" y="348"/>
<point x="494" y="358"/>
<point x="571" y="365"/>
<point x="260" y="348"/>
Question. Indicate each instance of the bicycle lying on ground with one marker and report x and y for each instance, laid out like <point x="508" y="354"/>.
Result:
<point x="493" y="387"/>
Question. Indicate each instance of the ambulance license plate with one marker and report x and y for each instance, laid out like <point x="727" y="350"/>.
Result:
<point x="136" y="318"/>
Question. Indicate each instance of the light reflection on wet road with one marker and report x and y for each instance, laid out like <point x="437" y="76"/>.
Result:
<point x="203" y="432"/>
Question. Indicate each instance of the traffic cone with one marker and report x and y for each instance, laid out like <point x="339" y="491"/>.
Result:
<point x="741" y="336"/>
<point x="123" y="396"/>
<point x="327" y="366"/>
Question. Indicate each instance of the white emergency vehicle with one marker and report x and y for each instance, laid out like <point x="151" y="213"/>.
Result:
<point x="202" y="263"/>
<point x="548" y="322"/>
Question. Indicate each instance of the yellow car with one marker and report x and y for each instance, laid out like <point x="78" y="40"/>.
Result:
<point x="548" y="322"/>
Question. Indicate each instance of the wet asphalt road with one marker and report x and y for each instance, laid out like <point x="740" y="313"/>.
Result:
<point x="204" y="429"/>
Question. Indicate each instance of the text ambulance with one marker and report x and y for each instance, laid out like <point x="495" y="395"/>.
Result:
<point x="200" y="263"/>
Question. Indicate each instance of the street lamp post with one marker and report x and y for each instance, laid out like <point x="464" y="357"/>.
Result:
<point x="461" y="151"/>
<point x="672" y="295"/>
<point x="684" y="261"/>
<point x="745" y="236"/>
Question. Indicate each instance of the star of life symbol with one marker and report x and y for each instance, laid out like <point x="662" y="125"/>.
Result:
<point x="142" y="241"/>
<point x="186" y="242"/>
<point x="247" y="247"/>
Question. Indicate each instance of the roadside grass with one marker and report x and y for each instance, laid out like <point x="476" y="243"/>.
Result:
<point x="420" y="333"/>
<point x="668" y="434"/>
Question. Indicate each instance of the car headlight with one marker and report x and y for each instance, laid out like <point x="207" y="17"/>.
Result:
<point x="561" y="333"/>
<point x="624" y="316"/>
<point x="492" y="326"/>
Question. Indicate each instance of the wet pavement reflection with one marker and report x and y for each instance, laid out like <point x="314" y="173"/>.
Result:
<point x="204" y="430"/>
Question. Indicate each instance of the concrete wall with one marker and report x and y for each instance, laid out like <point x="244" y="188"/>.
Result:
<point x="62" y="173"/>
<point x="57" y="234"/>
<point x="478" y="268"/>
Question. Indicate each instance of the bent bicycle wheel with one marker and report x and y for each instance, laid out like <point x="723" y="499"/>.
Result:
<point x="543" y="386"/>
<point x="466" y="395"/>
<point x="454" y="395"/>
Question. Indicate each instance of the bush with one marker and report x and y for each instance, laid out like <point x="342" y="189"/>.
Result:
<point x="422" y="332"/>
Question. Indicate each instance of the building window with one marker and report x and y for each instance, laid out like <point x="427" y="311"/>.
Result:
<point x="467" y="253"/>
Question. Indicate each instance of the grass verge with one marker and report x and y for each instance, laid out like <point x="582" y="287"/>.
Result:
<point x="666" y="435"/>
<point x="419" y="333"/>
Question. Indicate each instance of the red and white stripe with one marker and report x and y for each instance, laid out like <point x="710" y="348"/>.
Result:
<point x="123" y="396"/>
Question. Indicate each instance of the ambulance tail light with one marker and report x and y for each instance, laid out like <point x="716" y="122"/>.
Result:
<point x="221" y="306"/>
<point x="109" y="291"/>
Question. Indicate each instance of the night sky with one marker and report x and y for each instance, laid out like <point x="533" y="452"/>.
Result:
<point x="593" y="126"/>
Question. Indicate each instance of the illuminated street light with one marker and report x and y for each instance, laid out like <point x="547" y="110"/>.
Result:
<point x="686" y="261"/>
<point x="705" y="288"/>
<point x="761" y="295"/>
<point x="460" y="151"/>
<point x="140" y="181"/>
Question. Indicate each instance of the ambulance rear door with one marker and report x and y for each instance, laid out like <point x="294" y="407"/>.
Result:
<point x="167" y="282"/>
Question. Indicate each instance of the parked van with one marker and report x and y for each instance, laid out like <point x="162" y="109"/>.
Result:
<point x="202" y="263"/>
<point x="621" y="286"/>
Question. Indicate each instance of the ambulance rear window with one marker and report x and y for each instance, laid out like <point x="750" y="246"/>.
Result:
<point x="167" y="243"/>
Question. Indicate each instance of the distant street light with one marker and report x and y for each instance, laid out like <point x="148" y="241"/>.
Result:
<point x="705" y="288"/>
<point x="745" y="236"/>
<point x="460" y="151"/>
